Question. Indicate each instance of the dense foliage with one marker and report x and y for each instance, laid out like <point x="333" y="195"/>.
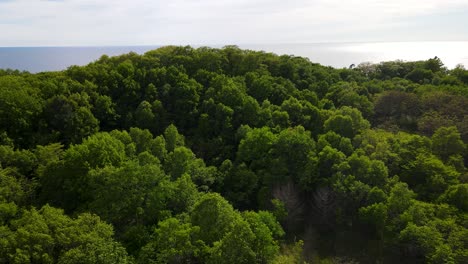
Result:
<point x="186" y="155"/>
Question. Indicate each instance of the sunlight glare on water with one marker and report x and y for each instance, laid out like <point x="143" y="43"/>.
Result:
<point x="344" y="54"/>
<point x="451" y="53"/>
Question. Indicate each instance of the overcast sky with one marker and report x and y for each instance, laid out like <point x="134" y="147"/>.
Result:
<point x="219" y="22"/>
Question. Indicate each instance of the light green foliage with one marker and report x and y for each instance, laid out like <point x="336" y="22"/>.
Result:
<point x="214" y="233"/>
<point x="429" y="176"/>
<point x="443" y="254"/>
<point x="264" y="245"/>
<point x="291" y="154"/>
<point x="329" y="160"/>
<point x="349" y="94"/>
<point x="132" y="193"/>
<point x="256" y="145"/>
<point x="49" y="236"/>
<point x="144" y="116"/>
<point x="409" y="146"/>
<point x="158" y="148"/>
<point x="261" y="87"/>
<point x="271" y="221"/>
<point x="457" y="195"/>
<point x="182" y="160"/>
<point x="215" y="217"/>
<point x="66" y="181"/>
<point x="126" y="139"/>
<point x="173" y="138"/>
<point x="23" y="160"/>
<point x="182" y="194"/>
<point x="234" y="247"/>
<point x="359" y="123"/>
<point x="376" y="195"/>
<point x="419" y="213"/>
<point x="47" y="155"/>
<point x="279" y="211"/>
<point x="400" y="199"/>
<point x="11" y="187"/>
<point x="141" y="138"/>
<point x="291" y="254"/>
<point x="340" y="124"/>
<point x="426" y="241"/>
<point x="172" y="242"/>
<point x="374" y="215"/>
<point x="179" y="161"/>
<point x="12" y="194"/>
<point x="294" y="109"/>
<point x="420" y="240"/>
<point x="336" y="141"/>
<point x="371" y="172"/>
<point x="96" y="151"/>
<point x="446" y="142"/>
<point x="458" y="242"/>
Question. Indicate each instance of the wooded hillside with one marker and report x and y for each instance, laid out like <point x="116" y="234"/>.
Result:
<point x="186" y="155"/>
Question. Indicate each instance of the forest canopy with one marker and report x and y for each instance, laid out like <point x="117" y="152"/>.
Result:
<point x="202" y="155"/>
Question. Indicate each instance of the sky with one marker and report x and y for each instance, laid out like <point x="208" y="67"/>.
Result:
<point x="222" y="22"/>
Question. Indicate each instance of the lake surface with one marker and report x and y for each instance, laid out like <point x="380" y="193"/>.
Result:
<point x="37" y="59"/>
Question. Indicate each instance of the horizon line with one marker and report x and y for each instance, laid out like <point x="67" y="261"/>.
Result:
<point x="224" y="45"/>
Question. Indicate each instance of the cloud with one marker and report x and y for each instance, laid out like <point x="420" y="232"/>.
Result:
<point x="122" y="22"/>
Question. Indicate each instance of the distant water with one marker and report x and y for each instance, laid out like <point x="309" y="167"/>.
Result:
<point x="344" y="54"/>
<point x="37" y="59"/>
